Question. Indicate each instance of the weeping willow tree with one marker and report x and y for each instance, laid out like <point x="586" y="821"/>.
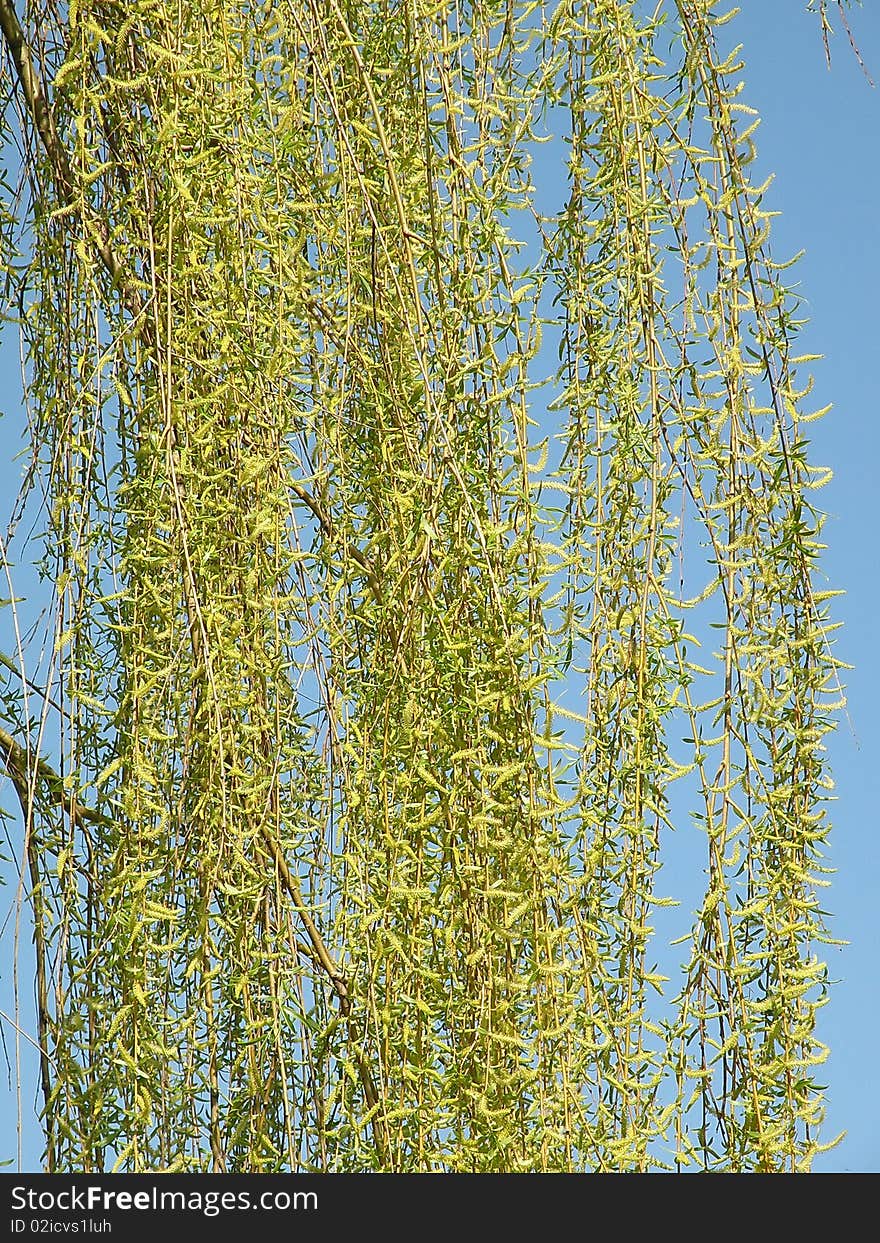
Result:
<point x="416" y="451"/>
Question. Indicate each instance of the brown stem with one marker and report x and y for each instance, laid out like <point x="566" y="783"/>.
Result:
<point x="22" y="765"/>
<point x="35" y="98"/>
<point x="351" y="549"/>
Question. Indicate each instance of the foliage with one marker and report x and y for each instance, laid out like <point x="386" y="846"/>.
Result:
<point x="375" y="648"/>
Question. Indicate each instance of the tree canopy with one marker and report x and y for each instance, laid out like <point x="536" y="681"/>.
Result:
<point x="417" y="466"/>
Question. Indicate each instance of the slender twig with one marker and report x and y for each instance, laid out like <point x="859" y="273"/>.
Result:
<point x="34" y="686"/>
<point x="337" y="979"/>
<point x="7" y="1018"/>
<point x="853" y="44"/>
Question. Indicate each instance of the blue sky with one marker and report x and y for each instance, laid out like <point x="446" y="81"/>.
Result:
<point x="819" y="135"/>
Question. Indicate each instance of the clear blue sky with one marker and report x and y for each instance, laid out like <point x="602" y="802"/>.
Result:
<point x="820" y="136"/>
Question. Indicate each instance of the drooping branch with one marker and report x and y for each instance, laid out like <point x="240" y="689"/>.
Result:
<point x="828" y="29"/>
<point x="44" y="123"/>
<point x="351" y="550"/>
<point x="18" y="761"/>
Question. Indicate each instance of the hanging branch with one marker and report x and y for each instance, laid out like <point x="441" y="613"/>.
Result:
<point x="35" y="98"/>
<point x="23" y="772"/>
<point x="41" y="113"/>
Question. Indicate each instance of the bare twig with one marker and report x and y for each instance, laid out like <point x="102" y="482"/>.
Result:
<point x="18" y="776"/>
<point x="828" y="29"/>
<point x="34" y="686"/>
<point x="853" y="44"/>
